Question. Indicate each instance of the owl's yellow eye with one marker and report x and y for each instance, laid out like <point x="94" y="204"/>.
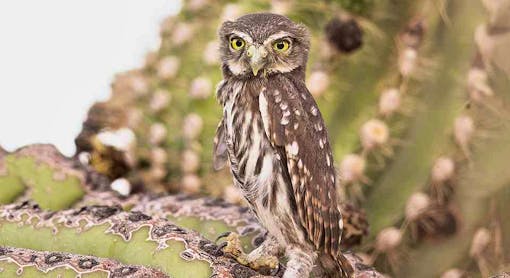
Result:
<point x="281" y="45"/>
<point x="237" y="43"/>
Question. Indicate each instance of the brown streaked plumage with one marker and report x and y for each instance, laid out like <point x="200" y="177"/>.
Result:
<point x="274" y="136"/>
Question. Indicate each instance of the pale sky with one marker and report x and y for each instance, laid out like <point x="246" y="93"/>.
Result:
<point x="57" y="57"/>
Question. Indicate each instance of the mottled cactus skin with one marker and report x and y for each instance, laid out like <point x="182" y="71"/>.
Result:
<point x="30" y="263"/>
<point x="446" y="61"/>
<point x="108" y="232"/>
<point x="147" y="241"/>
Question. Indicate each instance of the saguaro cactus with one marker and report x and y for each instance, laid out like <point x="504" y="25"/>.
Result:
<point x="415" y="97"/>
<point x="107" y="234"/>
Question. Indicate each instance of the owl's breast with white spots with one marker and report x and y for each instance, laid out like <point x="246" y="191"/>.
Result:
<point x="250" y="152"/>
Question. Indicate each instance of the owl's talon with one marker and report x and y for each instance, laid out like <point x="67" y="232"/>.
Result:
<point x="232" y="246"/>
<point x="223" y="235"/>
<point x="219" y="249"/>
<point x="264" y="262"/>
<point x="277" y="269"/>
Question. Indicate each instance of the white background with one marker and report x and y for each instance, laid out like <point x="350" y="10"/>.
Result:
<point x="57" y="57"/>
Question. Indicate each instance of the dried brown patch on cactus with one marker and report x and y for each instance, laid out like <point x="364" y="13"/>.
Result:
<point x="355" y="225"/>
<point x="100" y="116"/>
<point x="344" y="33"/>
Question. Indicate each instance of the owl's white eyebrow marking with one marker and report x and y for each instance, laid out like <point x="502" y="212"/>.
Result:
<point x="279" y="35"/>
<point x="236" y="67"/>
<point x="283" y="68"/>
<point x="243" y="36"/>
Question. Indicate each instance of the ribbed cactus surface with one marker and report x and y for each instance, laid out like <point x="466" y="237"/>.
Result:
<point x="415" y="98"/>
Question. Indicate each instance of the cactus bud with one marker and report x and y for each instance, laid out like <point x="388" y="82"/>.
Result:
<point x="211" y="54"/>
<point x="167" y="25"/>
<point x="168" y="66"/>
<point x="158" y="156"/>
<point x="195" y="5"/>
<point x="139" y="84"/>
<point x="158" y="172"/>
<point x="388" y="239"/>
<point x="201" y="88"/>
<point x="134" y="117"/>
<point x="478" y="86"/>
<point x="389" y="101"/>
<point x="182" y="33"/>
<point x="463" y="130"/>
<point x="191" y="184"/>
<point x="190" y="161"/>
<point x="318" y="83"/>
<point x="231" y="12"/>
<point x="192" y="126"/>
<point x="157" y="133"/>
<point x="481" y="240"/>
<point x="374" y="133"/>
<point x="416" y="204"/>
<point x="499" y="11"/>
<point x="232" y="194"/>
<point x="352" y="168"/>
<point x="453" y="273"/>
<point x="160" y="100"/>
<point x="407" y="61"/>
<point x="280" y="6"/>
<point x="443" y="169"/>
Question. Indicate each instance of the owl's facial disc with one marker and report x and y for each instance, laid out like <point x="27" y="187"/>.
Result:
<point x="257" y="55"/>
<point x="263" y="42"/>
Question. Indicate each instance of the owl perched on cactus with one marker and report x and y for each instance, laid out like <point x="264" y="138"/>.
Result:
<point x="274" y="136"/>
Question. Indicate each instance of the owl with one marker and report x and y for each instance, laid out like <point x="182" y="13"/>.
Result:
<point x="274" y="137"/>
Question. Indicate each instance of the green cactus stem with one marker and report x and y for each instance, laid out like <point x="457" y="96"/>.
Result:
<point x="128" y="237"/>
<point x="49" y="179"/>
<point x="132" y="238"/>
<point x="429" y="135"/>
<point x="487" y="177"/>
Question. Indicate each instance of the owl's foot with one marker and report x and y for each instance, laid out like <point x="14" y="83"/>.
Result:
<point x="263" y="262"/>
<point x="232" y="246"/>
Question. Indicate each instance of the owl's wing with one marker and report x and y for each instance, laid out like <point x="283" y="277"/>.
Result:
<point x="220" y="155"/>
<point x="294" y="126"/>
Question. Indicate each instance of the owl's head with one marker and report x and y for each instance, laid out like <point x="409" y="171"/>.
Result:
<point x="263" y="43"/>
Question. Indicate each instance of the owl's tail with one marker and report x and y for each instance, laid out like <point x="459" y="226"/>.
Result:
<point x="338" y="267"/>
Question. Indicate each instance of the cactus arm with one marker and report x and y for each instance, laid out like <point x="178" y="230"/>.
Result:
<point x="48" y="179"/>
<point x="429" y="135"/>
<point x="488" y="176"/>
<point x="363" y="72"/>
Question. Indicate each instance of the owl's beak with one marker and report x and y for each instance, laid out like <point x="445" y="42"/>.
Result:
<point x="257" y="58"/>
